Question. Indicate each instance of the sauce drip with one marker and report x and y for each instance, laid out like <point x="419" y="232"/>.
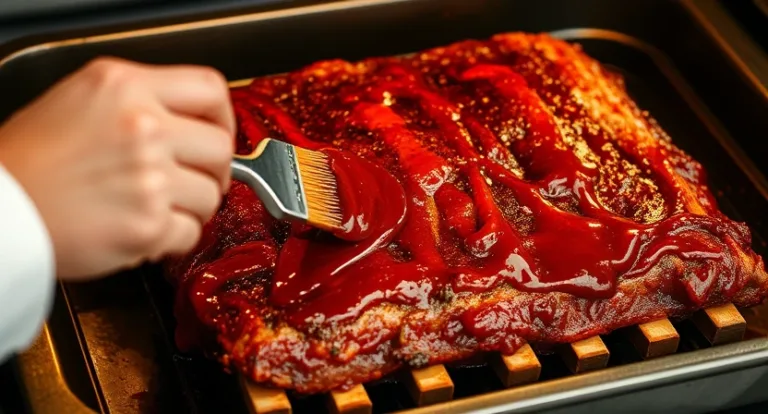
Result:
<point x="312" y="264"/>
<point x="464" y="168"/>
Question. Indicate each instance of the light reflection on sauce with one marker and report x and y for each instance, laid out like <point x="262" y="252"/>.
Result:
<point x="494" y="168"/>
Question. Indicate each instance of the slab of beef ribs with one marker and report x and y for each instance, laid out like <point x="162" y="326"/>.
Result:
<point x="498" y="192"/>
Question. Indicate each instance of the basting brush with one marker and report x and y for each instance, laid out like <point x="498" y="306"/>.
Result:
<point x="293" y="183"/>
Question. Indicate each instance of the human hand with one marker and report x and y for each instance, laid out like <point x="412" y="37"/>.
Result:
<point x="124" y="161"/>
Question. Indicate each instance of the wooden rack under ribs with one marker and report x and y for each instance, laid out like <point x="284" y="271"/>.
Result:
<point x="516" y="195"/>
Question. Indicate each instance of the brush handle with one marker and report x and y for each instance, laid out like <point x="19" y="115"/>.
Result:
<point x="272" y="171"/>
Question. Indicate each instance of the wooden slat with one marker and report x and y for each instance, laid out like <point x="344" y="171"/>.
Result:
<point x="240" y="82"/>
<point x="354" y="401"/>
<point x="654" y="339"/>
<point x="587" y="355"/>
<point x="429" y="385"/>
<point x="721" y="324"/>
<point x="520" y="368"/>
<point x="263" y="400"/>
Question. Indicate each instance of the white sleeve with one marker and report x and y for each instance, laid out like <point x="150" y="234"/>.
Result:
<point x="27" y="275"/>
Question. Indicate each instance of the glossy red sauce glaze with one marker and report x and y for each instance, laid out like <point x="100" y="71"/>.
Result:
<point x="314" y="264"/>
<point x="516" y="162"/>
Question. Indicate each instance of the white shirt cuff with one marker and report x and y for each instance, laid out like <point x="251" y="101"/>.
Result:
<point x="27" y="268"/>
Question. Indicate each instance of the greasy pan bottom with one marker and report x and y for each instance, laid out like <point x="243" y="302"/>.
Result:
<point x="124" y="325"/>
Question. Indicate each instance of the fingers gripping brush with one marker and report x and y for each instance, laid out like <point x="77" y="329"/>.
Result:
<point x="293" y="183"/>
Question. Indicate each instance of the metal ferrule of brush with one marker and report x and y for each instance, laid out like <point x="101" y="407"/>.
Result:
<point x="272" y="171"/>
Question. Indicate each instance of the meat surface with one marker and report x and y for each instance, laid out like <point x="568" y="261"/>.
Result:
<point x="510" y="191"/>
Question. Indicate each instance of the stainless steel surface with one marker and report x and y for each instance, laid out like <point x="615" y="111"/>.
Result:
<point x="272" y="171"/>
<point x="700" y="395"/>
<point x="40" y="374"/>
<point x="627" y="380"/>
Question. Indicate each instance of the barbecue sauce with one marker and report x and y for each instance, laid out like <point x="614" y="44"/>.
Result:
<point x="312" y="264"/>
<point x="462" y="169"/>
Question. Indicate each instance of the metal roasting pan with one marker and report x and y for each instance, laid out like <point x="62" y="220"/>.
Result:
<point x="108" y="346"/>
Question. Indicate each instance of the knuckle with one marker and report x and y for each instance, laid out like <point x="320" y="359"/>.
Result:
<point x="106" y="72"/>
<point x="151" y="186"/>
<point x="214" y="78"/>
<point x="145" y="164"/>
<point x="139" y="125"/>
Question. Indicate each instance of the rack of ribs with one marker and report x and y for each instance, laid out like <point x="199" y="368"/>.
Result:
<point x="502" y="195"/>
